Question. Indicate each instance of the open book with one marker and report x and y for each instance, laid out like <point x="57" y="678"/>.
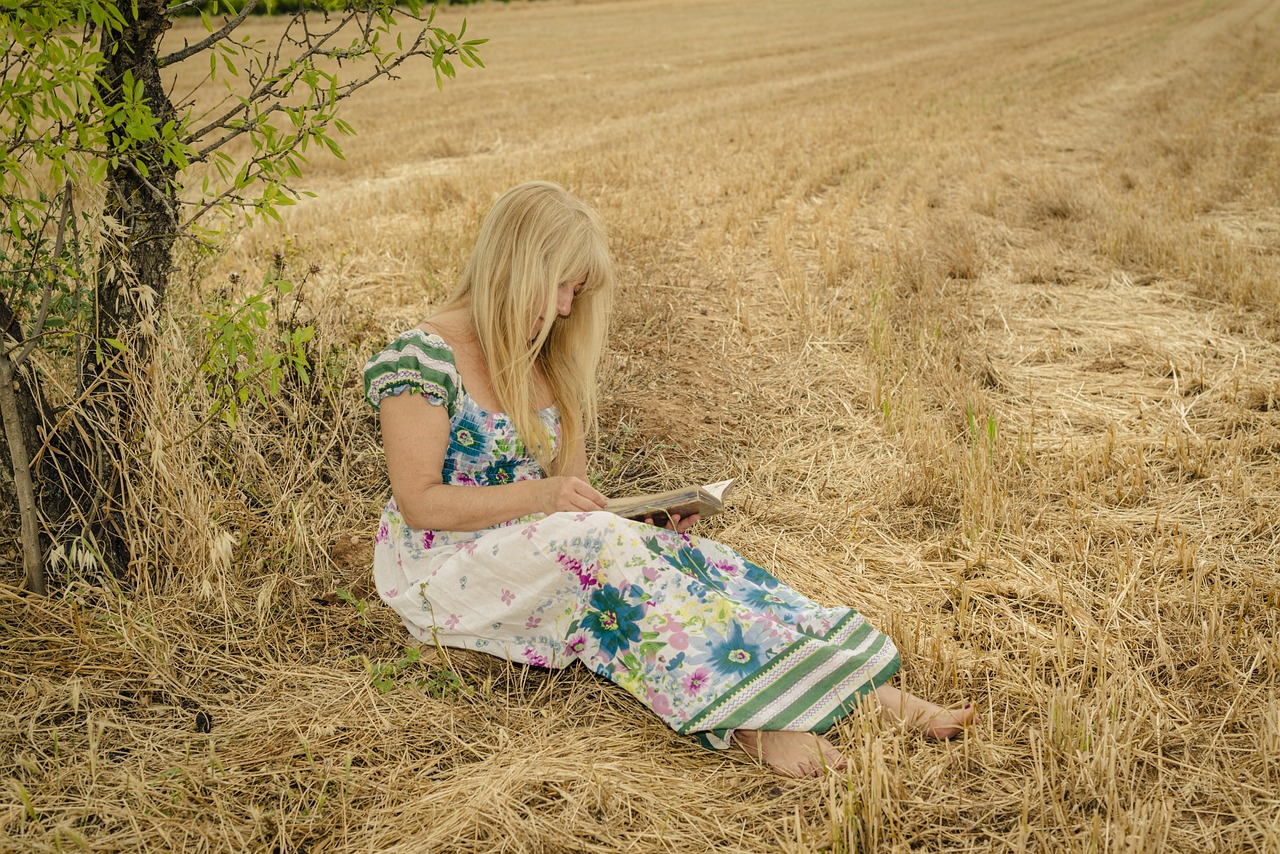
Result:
<point x="707" y="500"/>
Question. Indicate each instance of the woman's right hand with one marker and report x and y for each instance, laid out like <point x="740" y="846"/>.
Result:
<point x="568" y="493"/>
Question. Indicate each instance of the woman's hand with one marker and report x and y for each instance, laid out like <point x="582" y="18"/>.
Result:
<point x="568" y="493"/>
<point x="675" y="522"/>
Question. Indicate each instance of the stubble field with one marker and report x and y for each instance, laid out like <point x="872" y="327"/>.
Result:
<point x="980" y="300"/>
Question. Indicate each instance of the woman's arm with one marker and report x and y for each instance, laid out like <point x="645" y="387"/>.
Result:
<point x="578" y="469"/>
<point x="415" y="437"/>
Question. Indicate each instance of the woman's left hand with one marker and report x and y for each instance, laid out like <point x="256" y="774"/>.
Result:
<point x="676" y="522"/>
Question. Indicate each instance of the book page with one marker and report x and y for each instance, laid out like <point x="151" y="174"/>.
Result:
<point x="719" y="490"/>
<point x="634" y="504"/>
<point x="704" y="500"/>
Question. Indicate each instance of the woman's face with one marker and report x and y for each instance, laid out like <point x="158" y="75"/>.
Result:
<point x="565" y="293"/>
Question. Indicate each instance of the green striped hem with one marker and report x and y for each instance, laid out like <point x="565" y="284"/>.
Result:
<point x="808" y="686"/>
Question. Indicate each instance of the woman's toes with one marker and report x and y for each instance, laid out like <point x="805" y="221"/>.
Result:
<point x="949" y="723"/>
<point x="792" y="754"/>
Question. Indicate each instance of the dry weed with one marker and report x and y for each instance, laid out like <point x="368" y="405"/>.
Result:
<point x="978" y="299"/>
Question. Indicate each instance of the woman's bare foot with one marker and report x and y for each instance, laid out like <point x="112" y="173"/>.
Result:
<point x="791" y="754"/>
<point x="930" y="719"/>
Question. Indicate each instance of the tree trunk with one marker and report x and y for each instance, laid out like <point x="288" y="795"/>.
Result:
<point x="142" y="197"/>
<point x="23" y="492"/>
<point x="142" y="191"/>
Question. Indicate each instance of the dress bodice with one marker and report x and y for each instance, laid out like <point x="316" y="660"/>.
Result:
<point x="484" y="448"/>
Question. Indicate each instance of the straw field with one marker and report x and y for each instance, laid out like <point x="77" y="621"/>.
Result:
<point x="980" y="300"/>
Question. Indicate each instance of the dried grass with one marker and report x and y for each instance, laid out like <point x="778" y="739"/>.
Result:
<point x="979" y="300"/>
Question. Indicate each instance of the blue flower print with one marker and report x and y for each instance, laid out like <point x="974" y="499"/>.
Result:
<point x="612" y="620"/>
<point x="766" y="601"/>
<point x="735" y="654"/>
<point x="757" y="575"/>
<point x="689" y="560"/>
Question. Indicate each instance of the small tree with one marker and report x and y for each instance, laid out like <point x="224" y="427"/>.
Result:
<point x="101" y="174"/>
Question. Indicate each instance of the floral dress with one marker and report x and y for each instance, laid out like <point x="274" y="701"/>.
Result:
<point x="706" y="639"/>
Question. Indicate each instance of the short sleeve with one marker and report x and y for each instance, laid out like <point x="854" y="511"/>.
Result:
<point x="416" y="362"/>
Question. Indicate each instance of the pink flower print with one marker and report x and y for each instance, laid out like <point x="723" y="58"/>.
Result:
<point x="452" y="622"/>
<point x="428" y="537"/>
<point x="535" y="658"/>
<point x="728" y="567"/>
<point x="695" y="681"/>
<point x="532" y="622"/>
<point x="650" y="573"/>
<point x="659" y="703"/>
<point x="678" y="637"/>
<point x="384" y="532"/>
<point x="469" y="546"/>
<point x="507" y="596"/>
<point x="390" y="594"/>
<point x="588" y="574"/>
<point x="577" y="644"/>
<point x="529" y="531"/>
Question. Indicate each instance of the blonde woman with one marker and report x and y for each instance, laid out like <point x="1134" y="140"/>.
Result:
<point x="494" y="539"/>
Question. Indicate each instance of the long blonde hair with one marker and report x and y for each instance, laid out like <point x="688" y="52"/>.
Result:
<point x="537" y="237"/>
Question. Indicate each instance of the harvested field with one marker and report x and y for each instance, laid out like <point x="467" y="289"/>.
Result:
<point x="980" y="300"/>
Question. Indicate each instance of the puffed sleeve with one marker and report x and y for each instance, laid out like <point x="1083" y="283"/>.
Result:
<point x="416" y="362"/>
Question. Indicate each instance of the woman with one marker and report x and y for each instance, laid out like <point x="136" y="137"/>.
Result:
<point x="494" y="539"/>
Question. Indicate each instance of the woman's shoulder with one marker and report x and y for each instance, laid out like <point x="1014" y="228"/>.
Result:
<point x="416" y="360"/>
<point x="422" y="338"/>
<point x="427" y="347"/>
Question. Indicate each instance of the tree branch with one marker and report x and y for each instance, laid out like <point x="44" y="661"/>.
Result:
<point x="59" y="241"/>
<point x="8" y="316"/>
<point x="211" y="40"/>
<point x="383" y="70"/>
<point x="266" y="86"/>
